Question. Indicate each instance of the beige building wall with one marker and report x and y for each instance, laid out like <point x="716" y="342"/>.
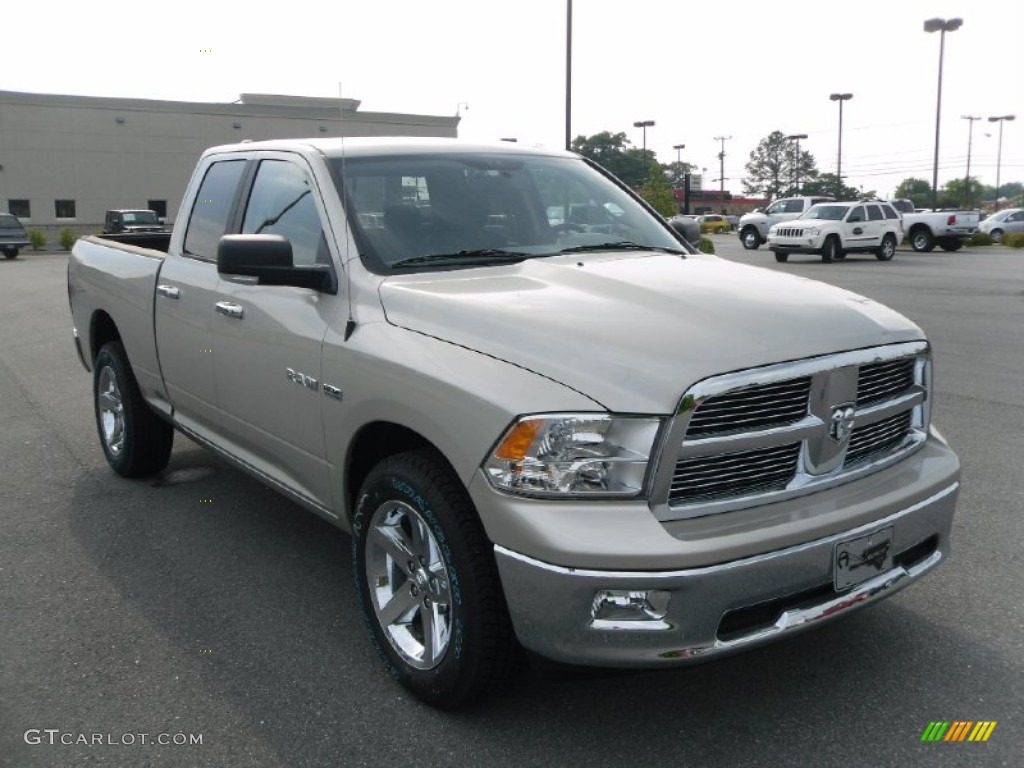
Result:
<point x="107" y="153"/>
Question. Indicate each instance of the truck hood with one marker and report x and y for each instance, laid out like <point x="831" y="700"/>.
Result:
<point x="634" y="330"/>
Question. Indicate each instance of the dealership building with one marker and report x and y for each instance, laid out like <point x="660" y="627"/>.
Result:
<point x="65" y="160"/>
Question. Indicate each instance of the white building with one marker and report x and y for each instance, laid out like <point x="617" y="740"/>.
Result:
<point x="65" y="160"/>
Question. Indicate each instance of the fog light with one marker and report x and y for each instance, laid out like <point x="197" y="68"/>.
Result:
<point x="630" y="609"/>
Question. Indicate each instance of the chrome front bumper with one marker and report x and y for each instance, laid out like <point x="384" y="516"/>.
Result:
<point x="716" y="609"/>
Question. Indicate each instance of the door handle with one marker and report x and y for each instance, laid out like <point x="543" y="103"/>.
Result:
<point x="170" y="291"/>
<point x="230" y="310"/>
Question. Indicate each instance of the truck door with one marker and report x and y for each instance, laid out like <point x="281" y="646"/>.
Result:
<point x="269" y="339"/>
<point x="185" y="299"/>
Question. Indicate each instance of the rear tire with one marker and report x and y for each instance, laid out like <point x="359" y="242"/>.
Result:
<point x="921" y="240"/>
<point x="887" y="249"/>
<point x="135" y="440"/>
<point x="428" y="585"/>
<point x="11" y="253"/>
<point x="951" y="244"/>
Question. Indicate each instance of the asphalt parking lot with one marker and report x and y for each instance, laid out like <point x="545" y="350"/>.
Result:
<point x="202" y="604"/>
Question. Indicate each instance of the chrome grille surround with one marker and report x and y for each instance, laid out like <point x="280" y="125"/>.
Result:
<point x="789" y="232"/>
<point x="862" y="411"/>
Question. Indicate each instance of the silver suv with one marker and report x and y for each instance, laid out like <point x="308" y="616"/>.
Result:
<point x="835" y="229"/>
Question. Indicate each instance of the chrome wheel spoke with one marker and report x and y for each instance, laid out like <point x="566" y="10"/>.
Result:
<point x="392" y="541"/>
<point x="401" y="603"/>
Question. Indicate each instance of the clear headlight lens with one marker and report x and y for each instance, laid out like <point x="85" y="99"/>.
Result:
<point x="574" y="454"/>
<point x="811" y="232"/>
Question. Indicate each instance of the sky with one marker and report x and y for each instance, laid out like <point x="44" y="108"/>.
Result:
<point x="698" y="70"/>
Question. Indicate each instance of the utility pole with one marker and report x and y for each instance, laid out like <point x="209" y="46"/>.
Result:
<point x="721" y="171"/>
<point x="796" y="166"/>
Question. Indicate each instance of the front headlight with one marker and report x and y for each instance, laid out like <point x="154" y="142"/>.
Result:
<point x="574" y="454"/>
<point x="811" y="232"/>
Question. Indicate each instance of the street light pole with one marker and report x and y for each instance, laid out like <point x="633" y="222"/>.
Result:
<point x="999" y="157"/>
<point x="679" y="156"/>
<point x="796" y="168"/>
<point x="967" y="179"/>
<point x="721" y="172"/>
<point x="645" y="124"/>
<point x="942" y="26"/>
<point x="568" y="75"/>
<point x="840" y="97"/>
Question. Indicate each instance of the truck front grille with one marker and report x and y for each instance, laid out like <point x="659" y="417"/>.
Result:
<point x="756" y="407"/>
<point x="773" y="433"/>
<point x="789" y="232"/>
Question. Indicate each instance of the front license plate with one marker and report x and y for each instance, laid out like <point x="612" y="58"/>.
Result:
<point x="863" y="558"/>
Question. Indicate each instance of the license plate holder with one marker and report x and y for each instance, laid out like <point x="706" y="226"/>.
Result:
<point x="857" y="560"/>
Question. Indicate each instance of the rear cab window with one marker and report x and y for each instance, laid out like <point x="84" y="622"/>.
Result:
<point x="211" y="210"/>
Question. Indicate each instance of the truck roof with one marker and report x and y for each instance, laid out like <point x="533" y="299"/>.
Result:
<point x="362" y="146"/>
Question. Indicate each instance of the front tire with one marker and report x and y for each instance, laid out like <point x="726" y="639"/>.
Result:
<point x="830" y="250"/>
<point x="428" y="584"/>
<point x="921" y="240"/>
<point x="750" y="238"/>
<point x="781" y="257"/>
<point x="997" y="236"/>
<point x="135" y="440"/>
<point x="887" y="249"/>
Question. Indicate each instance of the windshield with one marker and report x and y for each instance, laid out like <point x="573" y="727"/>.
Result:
<point x="415" y="212"/>
<point x="828" y="212"/>
<point x="140" y="217"/>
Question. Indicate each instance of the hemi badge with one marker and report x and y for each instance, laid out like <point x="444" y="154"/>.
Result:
<point x="332" y="391"/>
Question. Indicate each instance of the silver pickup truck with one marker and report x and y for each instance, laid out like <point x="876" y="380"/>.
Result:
<point x="591" y="442"/>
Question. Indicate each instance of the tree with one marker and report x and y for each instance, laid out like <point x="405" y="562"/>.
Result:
<point x="612" y="152"/>
<point x="658" y="193"/>
<point x="675" y="172"/>
<point x="952" y="194"/>
<point x="914" y="189"/>
<point x="828" y="184"/>
<point x="773" y="167"/>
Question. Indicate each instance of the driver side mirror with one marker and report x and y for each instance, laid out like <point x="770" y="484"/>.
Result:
<point x="269" y="258"/>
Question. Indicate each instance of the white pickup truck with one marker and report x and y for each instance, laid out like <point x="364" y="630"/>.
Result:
<point x="539" y="435"/>
<point x="949" y="229"/>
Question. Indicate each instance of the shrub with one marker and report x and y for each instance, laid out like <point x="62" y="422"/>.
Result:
<point x="67" y="238"/>
<point x="37" y="238"/>
<point x="980" y="238"/>
<point x="1014" y="239"/>
<point x="706" y="246"/>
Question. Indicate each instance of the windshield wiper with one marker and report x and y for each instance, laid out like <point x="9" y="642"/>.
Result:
<point x="620" y="245"/>
<point x="479" y="257"/>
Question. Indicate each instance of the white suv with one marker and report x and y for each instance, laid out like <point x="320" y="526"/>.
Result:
<point x="835" y="229"/>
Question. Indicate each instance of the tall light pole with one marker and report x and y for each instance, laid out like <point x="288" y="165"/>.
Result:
<point x="999" y="157"/>
<point x="840" y="97"/>
<point x="679" y="156"/>
<point x="796" y="167"/>
<point x="967" y="179"/>
<point x="645" y="124"/>
<point x="942" y="26"/>
<point x="721" y="172"/>
<point x="568" y="75"/>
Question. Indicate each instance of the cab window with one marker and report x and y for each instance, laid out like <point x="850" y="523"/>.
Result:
<point x="282" y="203"/>
<point x="209" y="218"/>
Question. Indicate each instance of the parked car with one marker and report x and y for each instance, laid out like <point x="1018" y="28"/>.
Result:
<point x="713" y="223"/>
<point x="835" y="229"/>
<point x="127" y="220"/>
<point x="1003" y="222"/>
<point x="13" y="236"/>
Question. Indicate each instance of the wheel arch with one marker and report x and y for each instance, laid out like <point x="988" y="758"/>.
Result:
<point x="102" y="330"/>
<point x="373" y="443"/>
